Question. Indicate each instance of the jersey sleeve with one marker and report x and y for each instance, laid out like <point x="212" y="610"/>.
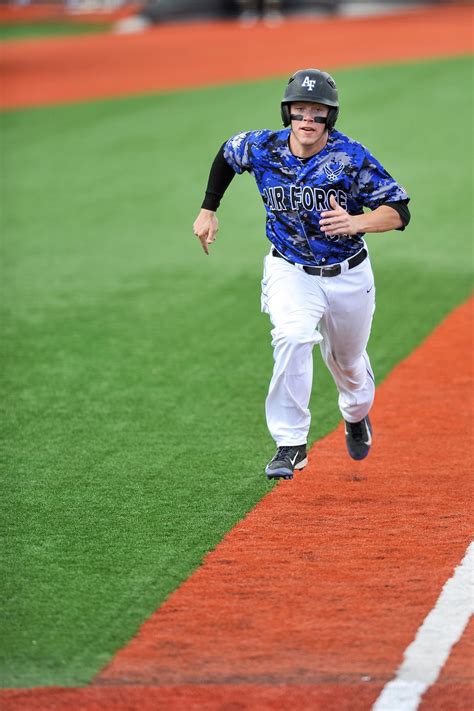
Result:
<point x="401" y="207"/>
<point x="375" y="186"/>
<point x="236" y="152"/>
<point x="220" y="177"/>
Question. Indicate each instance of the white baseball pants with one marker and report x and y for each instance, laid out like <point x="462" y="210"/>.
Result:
<point x="335" y="312"/>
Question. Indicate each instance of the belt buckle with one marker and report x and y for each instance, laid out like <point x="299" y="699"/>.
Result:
<point x="330" y="270"/>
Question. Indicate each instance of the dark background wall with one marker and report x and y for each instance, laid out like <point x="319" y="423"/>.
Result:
<point x="163" y="10"/>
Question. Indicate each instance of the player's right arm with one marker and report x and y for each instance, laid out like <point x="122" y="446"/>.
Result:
<point x="205" y="228"/>
<point x="206" y="224"/>
<point x="233" y="157"/>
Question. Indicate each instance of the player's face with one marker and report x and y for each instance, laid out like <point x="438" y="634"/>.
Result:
<point x="306" y="135"/>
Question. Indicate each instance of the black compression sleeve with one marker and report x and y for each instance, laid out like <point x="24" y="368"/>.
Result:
<point x="401" y="206"/>
<point x="220" y="177"/>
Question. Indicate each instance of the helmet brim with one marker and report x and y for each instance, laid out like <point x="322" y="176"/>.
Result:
<point x="311" y="100"/>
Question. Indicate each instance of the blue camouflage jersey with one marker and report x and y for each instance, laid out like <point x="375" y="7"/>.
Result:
<point x="296" y="191"/>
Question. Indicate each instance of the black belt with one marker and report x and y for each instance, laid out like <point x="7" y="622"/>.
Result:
<point x="332" y="269"/>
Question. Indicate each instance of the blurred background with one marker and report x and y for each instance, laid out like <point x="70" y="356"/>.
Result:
<point x="128" y="16"/>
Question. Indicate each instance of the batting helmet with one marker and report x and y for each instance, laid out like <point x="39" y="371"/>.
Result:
<point x="315" y="86"/>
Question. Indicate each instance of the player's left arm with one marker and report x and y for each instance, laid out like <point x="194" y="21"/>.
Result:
<point x="376" y="189"/>
<point x="384" y="218"/>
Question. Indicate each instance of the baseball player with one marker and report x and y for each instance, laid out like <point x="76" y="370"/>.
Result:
<point x="318" y="285"/>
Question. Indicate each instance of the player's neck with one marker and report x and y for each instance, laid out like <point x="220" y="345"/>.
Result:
<point x="301" y="150"/>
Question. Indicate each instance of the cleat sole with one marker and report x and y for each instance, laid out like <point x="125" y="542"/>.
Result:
<point x="279" y="476"/>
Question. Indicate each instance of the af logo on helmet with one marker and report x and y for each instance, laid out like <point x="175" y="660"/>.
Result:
<point x="309" y="83"/>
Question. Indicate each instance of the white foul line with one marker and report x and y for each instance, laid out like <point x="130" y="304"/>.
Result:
<point x="427" y="654"/>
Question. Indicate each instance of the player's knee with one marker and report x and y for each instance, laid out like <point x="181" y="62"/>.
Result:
<point x="294" y="335"/>
<point x="350" y="371"/>
<point x="349" y="367"/>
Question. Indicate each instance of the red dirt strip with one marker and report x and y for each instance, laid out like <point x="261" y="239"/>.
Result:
<point x="170" y="57"/>
<point x="312" y="599"/>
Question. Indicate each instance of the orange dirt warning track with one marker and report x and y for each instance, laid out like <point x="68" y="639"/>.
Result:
<point x="310" y="602"/>
<point x="40" y="72"/>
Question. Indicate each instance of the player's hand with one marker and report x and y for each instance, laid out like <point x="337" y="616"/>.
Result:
<point x="205" y="228"/>
<point x="337" y="221"/>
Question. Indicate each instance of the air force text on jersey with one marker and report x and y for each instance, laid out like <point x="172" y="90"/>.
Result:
<point x="296" y="191"/>
<point x="306" y="197"/>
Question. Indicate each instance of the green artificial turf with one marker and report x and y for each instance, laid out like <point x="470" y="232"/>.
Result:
<point x="135" y="369"/>
<point x="50" y="28"/>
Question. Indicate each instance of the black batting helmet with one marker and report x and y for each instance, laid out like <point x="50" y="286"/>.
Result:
<point x="315" y="86"/>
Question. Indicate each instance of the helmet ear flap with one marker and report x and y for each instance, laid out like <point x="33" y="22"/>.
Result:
<point x="285" y="114"/>
<point x="332" y="118"/>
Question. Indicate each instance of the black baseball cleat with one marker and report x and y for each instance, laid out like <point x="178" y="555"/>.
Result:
<point x="358" y="438"/>
<point x="285" y="461"/>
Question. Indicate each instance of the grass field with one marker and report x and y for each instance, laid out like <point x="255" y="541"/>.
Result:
<point x="25" y="30"/>
<point x="135" y="368"/>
